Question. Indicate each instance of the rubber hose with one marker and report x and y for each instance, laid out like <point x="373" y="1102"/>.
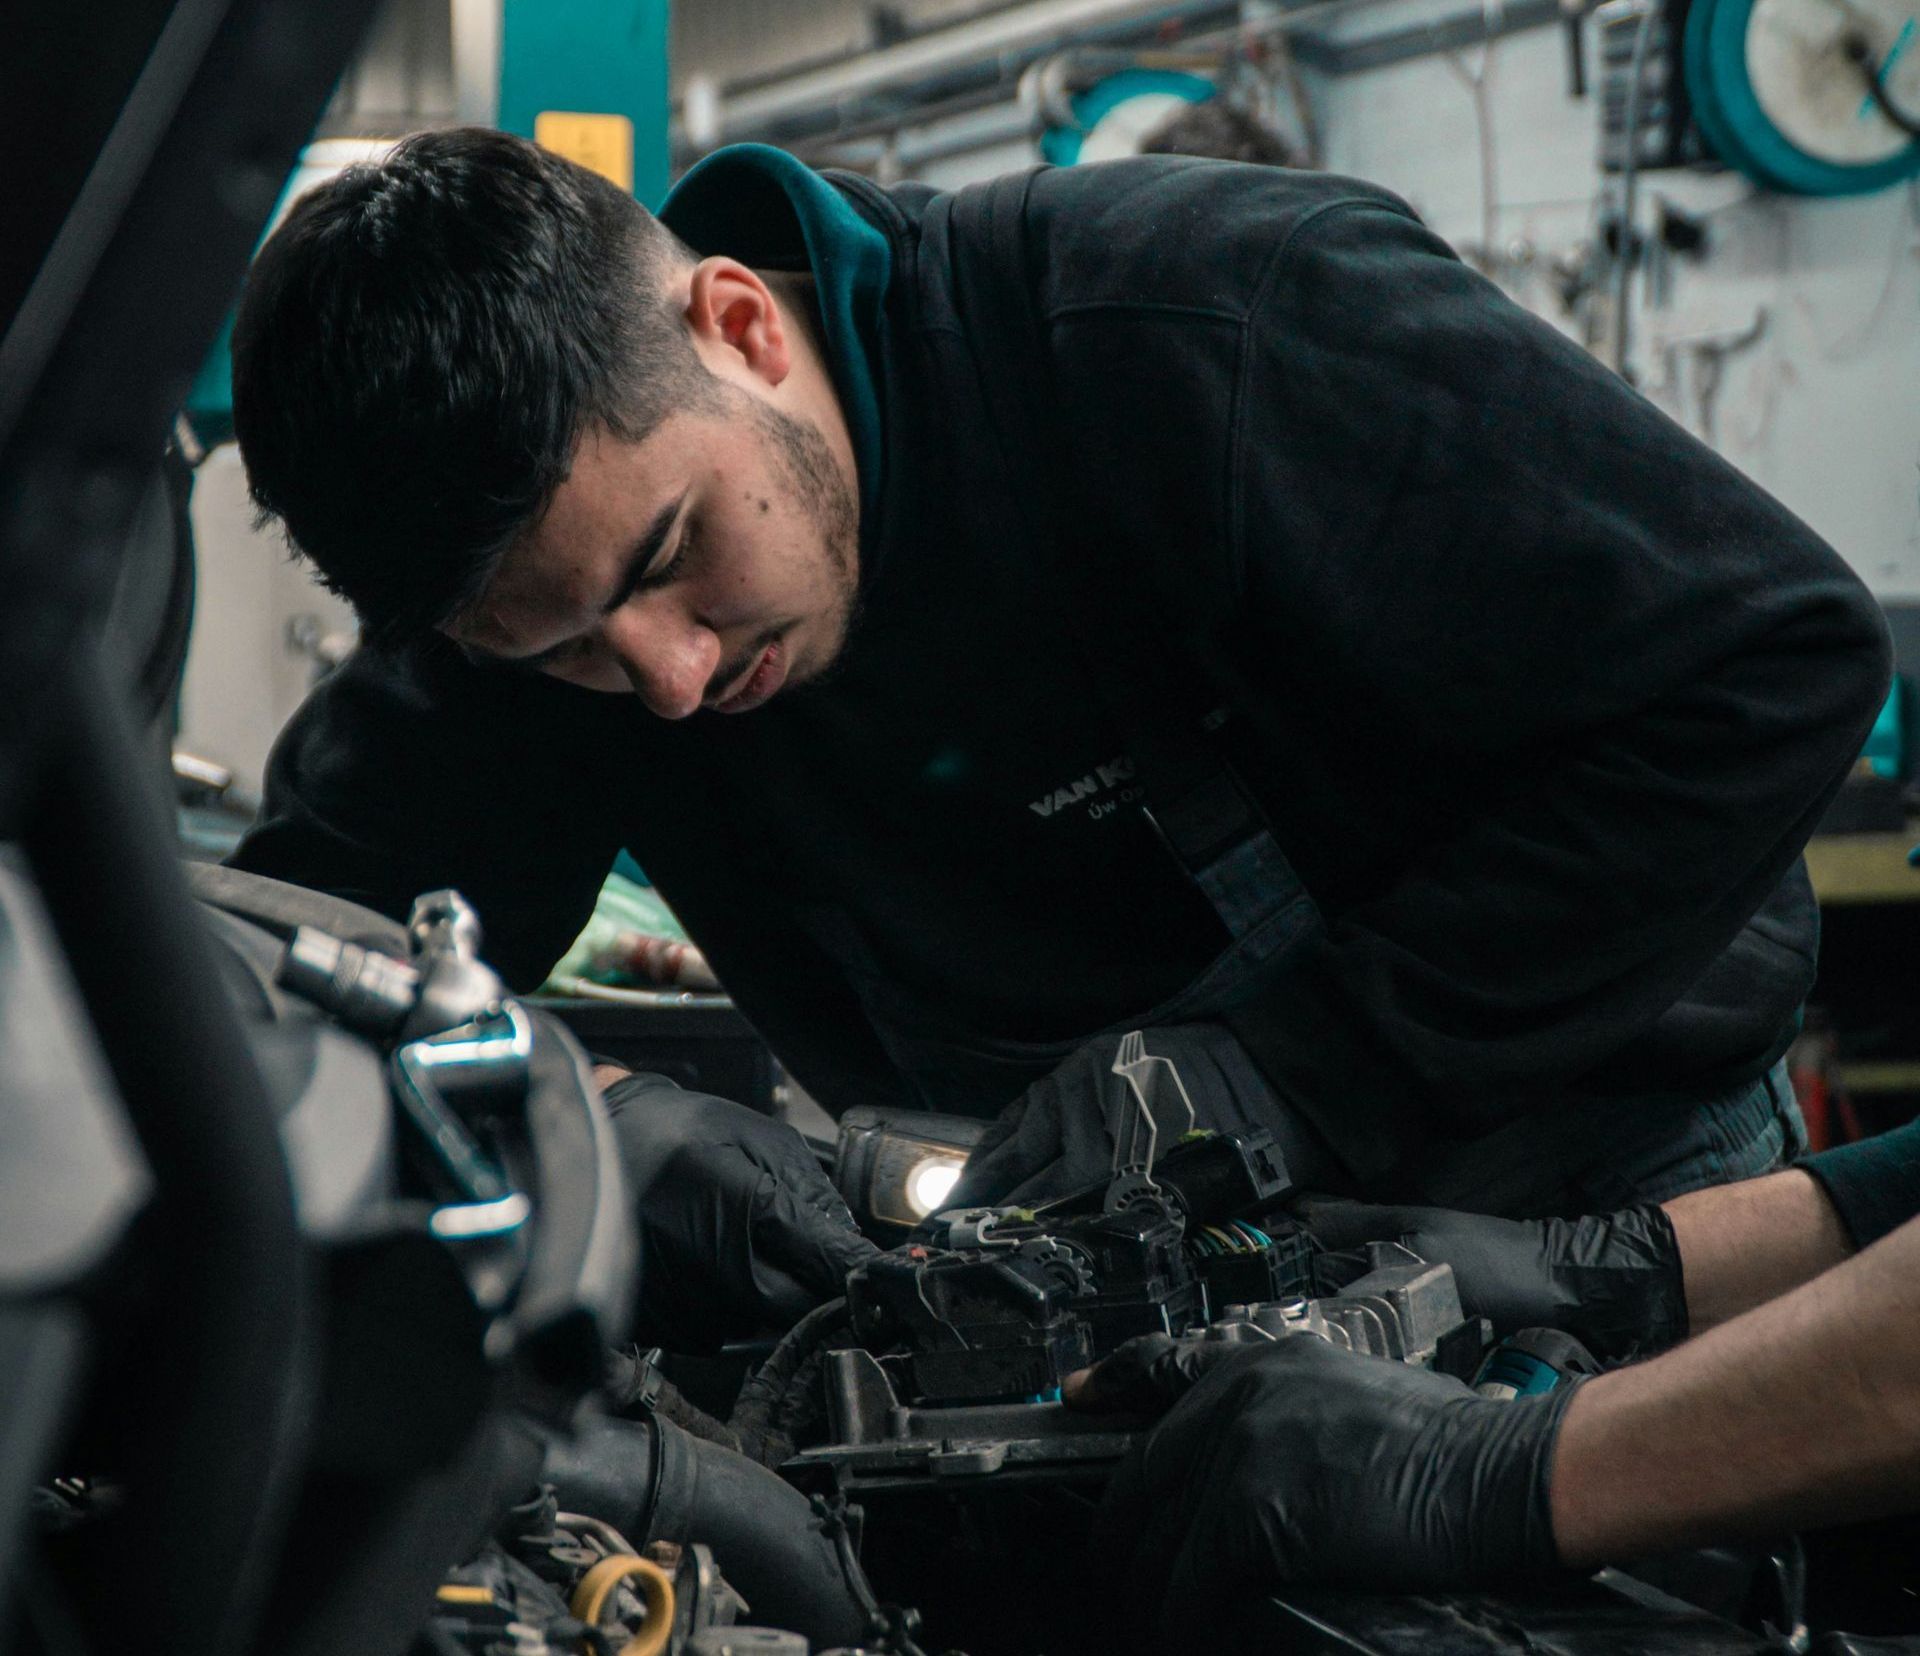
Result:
<point x="654" y="1482"/>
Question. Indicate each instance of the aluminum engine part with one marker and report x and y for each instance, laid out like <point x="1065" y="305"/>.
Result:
<point x="1403" y="1308"/>
<point x="443" y="985"/>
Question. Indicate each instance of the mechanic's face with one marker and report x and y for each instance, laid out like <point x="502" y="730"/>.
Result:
<point x="713" y="564"/>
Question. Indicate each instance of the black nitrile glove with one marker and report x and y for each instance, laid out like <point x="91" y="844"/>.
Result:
<point x="741" y="1233"/>
<point x="1611" y="1280"/>
<point x="1296" y="1461"/>
<point x="1057" y="1136"/>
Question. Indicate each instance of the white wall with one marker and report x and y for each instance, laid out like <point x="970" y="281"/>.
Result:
<point x="1823" y="410"/>
<point x="243" y="680"/>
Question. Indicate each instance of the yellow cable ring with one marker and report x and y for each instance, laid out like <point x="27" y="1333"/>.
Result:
<point x="656" y="1592"/>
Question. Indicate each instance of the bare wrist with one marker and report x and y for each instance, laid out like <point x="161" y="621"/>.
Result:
<point x="1744" y="1244"/>
<point x="1578" y="1491"/>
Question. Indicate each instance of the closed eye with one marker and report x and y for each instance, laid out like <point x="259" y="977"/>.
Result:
<point x="671" y="568"/>
<point x="668" y="571"/>
<point x="522" y="664"/>
<point x="644" y="569"/>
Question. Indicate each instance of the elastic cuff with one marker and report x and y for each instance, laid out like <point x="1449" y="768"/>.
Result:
<point x="1622" y="1273"/>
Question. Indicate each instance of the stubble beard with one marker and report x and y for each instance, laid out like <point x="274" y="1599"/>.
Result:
<point x="829" y="504"/>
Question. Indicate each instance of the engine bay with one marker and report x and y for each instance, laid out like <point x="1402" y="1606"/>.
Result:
<point x="956" y="1344"/>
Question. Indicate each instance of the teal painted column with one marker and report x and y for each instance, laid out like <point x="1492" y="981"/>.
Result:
<point x="588" y="78"/>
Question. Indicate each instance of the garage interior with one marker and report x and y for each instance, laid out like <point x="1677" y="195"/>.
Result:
<point x="317" y="1258"/>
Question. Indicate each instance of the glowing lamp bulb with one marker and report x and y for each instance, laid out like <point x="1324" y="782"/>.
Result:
<point x="930" y="1182"/>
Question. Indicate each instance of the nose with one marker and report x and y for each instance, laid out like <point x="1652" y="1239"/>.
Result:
<point x="669" y="658"/>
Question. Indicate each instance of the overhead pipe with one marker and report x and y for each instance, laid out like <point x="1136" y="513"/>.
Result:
<point x="953" y="70"/>
<point x="1025" y="33"/>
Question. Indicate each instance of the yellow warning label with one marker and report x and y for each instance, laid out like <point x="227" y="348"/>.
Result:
<point x="600" y="143"/>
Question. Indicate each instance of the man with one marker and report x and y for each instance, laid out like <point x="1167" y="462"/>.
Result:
<point x="1798" y="1405"/>
<point x="1170" y="595"/>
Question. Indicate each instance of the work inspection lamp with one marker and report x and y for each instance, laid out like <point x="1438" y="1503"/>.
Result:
<point x="895" y="1167"/>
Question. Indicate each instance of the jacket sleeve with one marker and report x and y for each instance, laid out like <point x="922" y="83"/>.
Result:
<point x="1874" y="1183"/>
<point x="1461" y="538"/>
<point x="410" y="772"/>
<point x="392" y="779"/>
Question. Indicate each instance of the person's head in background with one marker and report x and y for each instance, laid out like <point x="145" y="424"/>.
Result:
<point x="1217" y="130"/>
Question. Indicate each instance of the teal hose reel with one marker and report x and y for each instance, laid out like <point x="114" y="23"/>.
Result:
<point x="1815" y="97"/>
<point x="1111" y="116"/>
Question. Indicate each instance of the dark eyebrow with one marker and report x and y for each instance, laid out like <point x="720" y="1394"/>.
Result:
<point x="645" y="550"/>
<point x="633" y="576"/>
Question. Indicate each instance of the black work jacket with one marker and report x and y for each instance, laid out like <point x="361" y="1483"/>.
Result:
<point x="1540" y="697"/>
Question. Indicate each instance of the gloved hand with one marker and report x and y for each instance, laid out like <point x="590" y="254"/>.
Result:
<point x="1298" y="1461"/>
<point x="741" y="1233"/>
<point x="1611" y="1280"/>
<point x="1057" y="1136"/>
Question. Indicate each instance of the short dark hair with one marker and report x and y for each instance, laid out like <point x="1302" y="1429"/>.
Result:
<point x="1218" y="129"/>
<point x="419" y="348"/>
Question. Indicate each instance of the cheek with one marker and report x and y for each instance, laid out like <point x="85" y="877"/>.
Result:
<point x="743" y="572"/>
<point x="594" y="672"/>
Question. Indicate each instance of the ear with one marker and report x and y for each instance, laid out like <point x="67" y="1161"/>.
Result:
<point x="737" y="327"/>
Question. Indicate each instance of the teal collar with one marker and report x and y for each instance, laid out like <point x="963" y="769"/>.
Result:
<point x="759" y="205"/>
